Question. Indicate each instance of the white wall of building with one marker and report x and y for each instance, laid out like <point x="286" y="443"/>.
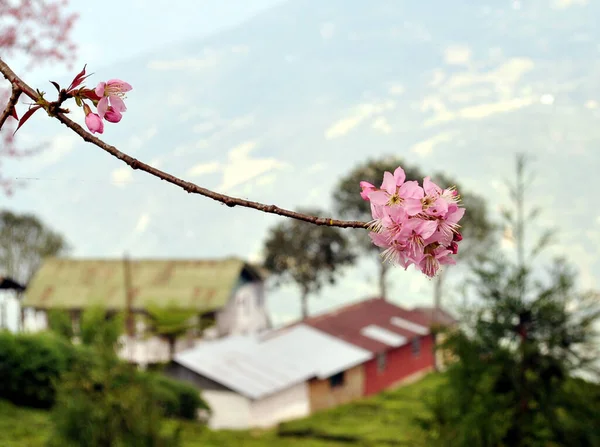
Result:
<point x="291" y="403"/>
<point x="233" y="411"/>
<point x="9" y="311"/>
<point x="145" y="350"/>
<point x="245" y="312"/>
<point x="229" y="410"/>
<point x="35" y="320"/>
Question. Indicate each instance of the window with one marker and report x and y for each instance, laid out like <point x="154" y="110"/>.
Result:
<point x="336" y="380"/>
<point x="416" y="346"/>
<point x="381" y="361"/>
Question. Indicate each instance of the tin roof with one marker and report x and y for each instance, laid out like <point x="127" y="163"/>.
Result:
<point x="256" y="366"/>
<point x="191" y="284"/>
<point x="373" y="324"/>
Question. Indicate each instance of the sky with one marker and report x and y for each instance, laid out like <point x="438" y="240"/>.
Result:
<point x="277" y="108"/>
<point x="120" y="30"/>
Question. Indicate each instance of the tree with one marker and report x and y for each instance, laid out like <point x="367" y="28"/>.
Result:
<point x="522" y="342"/>
<point x="171" y="322"/>
<point x="24" y="243"/>
<point x="307" y="255"/>
<point x="476" y="226"/>
<point x="38" y="31"/>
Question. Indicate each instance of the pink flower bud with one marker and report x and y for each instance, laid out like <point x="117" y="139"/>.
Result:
<point x="92" y="121"/>
<point x="454" y="247"/>
<point x="112" y="115"/>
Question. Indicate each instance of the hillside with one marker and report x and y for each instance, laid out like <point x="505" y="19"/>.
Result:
<point x="383" y="420"/>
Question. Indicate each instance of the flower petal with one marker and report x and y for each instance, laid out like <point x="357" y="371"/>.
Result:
<point x="455" y="216"/>
<point x="413" y="206"/>
<point x="411" y="189"/>
<point x="399" y="176"/>
<point x="431" y="188"/>
<point x="379" y="198"/>
<point x="100" y="89"/>
<point x="102" y="106"/>
<point x="427" y="228"/>
<point x="117" y="103"/>
<point x="121" y="85"/>
<point x="389" y="183"/>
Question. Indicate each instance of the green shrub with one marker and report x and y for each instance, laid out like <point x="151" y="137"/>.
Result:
<point x="178" y="399"/>
<point x="30" y="365"/>
<point x="59" y="322"/>
<point x="109" y="403"/>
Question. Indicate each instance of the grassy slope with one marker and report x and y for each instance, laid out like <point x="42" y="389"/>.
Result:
<point x="385" y="419"/>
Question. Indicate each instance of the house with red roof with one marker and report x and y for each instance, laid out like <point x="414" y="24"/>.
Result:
<point x="400" y="340"/>
<point x="261" y="379"/>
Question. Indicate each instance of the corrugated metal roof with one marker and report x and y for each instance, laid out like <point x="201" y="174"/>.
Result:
<point x="256" y="366"/>
<point x="383" y="335"/>
<point x="401" y="322"/>
<point x="347" y="322"/>
<point x="190" y="284"/>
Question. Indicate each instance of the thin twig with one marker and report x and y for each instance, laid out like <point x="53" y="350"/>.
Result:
<point x="185" y="185"/>
<point x="12" y="102"/>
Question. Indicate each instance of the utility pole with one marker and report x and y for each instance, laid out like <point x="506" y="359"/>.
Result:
<point x="437" y="304"/>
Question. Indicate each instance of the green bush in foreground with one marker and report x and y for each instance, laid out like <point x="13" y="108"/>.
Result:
<point x="178" y="399"/>
<point x="106" y="402"/>
<point x="30" y="364"/>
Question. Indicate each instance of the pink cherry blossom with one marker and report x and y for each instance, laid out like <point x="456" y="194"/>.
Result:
<point x="112" y="91"/>
<point x="396" y="195"/>
<point x="395" y="253"/>
<point x="415" y="232"/>
<point x="433" y="258"/>
<point x="394" y="220"/>
<point x="414" y="225"/>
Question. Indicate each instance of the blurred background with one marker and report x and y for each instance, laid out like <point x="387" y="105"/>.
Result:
<point x="293" y="102"/>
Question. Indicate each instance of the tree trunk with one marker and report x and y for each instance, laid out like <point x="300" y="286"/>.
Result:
<point x="171" y="341"/>
<point x="304" y="304"/>
<point x="383" y="269"/>
<point x="437" y="304"/>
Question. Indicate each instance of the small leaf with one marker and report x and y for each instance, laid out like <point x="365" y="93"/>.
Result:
<point x="56" y="86"/>
<point x="78" y="101"/>
<point x="27" y="115"/>
<point x="14" y="113"/>
<point x="78" y="79"/>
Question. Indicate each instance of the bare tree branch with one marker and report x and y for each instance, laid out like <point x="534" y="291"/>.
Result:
<point x="190" y="187"/>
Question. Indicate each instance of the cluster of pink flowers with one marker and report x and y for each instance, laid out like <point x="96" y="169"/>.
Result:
<point x="109" y="104"/>
<point x="413" y="224"/>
